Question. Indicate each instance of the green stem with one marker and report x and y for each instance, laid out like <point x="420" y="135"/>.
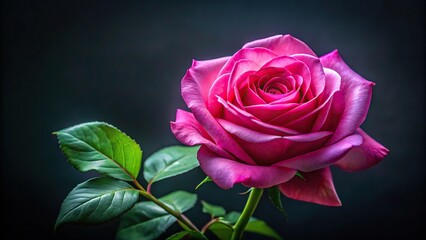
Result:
<point x="137" y="184"/>
<point x="179" y="216"/>
<point x="248" y="211"/>
<point x="213" y="220"/>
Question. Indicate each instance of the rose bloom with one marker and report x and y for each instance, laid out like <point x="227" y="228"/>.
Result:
<point x="273" y="109"/>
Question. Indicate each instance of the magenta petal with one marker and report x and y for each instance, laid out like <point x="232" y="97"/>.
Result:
<point x="205" y="73"/>
<point x="356" y="96"/>
<point x="218" y="89"/>
<point x="257" y="55"/>
<point x="225" y="173"/>
<point x="317" y="187"/>
<point x="246" y="134"/>
<point x="239" y="74"/>
<point x="368" y="154"/>
<point x="193" y="95"/>
<point x="282" y="45"/>
<point x="250" y="135"/>
<point x="323" y="157"/>
<point x="270" y="112"/>
<point x="317" y="82"/>
<point x="243" y="118"/>
<point x="333" y="83"/>
<point x="189" y="132"/>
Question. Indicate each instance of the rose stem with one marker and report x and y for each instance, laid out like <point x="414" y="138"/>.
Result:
<point x="248" y="211"/>
<point x="179" y="216"/>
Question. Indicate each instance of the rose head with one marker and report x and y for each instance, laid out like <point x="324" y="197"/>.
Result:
<point x="275" y="108"/>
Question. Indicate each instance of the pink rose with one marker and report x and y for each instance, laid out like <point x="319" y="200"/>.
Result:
<point x="275" y="108"/>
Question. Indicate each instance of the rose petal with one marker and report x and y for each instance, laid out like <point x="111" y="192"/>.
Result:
<point x="368" y="154"/>
<point x="218" y="89"/>
<point x="316" y="187"/>
<point x="356" y="96"/>
<point x="322" y="115"/>
<point x="289" y="88"/>
<point x="189" y="132"/>
<point x="225" y="173"/>
<point x="247" y="134"/>
<point x="282" y="45"/>
<point x="192" y="92"/>
<point x="309" y="119"/>
<point x="268" y="112"/>
<point x="205" y="73"/>
<point x="267" y="149"/>
<point x="326" y="85"/>
<point x="323" y="157"/>
<point x="251" y="97"/>
<point x="243" y="118"/>
<point x="257" y="55"/>
<point x="250" y="135"/>
<point x="239" y="77"/>
<point x="296" y="67"/>
<point x="317" y="82"/>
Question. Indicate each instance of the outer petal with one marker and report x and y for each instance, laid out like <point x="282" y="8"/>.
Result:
<point x="193" y="88"/>
<point x="257" y="55"/>
<point x="356" y="96"/>
<point x="218" y="89"/>
<point x="225" y="173"/>
<point x="188" y="131"/>
<point x="317" y="187"/>
<point x="368" y="154"/>
<point x="205" y="73"/>
<point x="266" y="149"/>
<point x="282" y="45"/>
<point x="323" y="157"/>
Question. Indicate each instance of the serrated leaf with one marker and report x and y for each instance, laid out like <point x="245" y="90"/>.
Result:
<point x="207" y="179"/>
<point x="187" y="235"/>
<point x="97" y="200"/>
<point x="101" y="147"/>
<point x="254" y="225"/>
<point x="147" y="221"/>
<point x="170" y="161"/>
<point x="213" y="210"/>
<point x="275" y="197"/>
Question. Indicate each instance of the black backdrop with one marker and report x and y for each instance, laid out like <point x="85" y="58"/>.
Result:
<point x="67" y="62"/>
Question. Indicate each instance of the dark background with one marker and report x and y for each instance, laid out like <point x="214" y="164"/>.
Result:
<point x="68" y="62"/>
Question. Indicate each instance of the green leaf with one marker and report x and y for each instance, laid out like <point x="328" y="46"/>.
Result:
<point x="97" y="200"/>
<point x="223" y="229"/>
<point x="101" y="147"/>
<point x="213" y="210"/>
<point x="169" y="162"/>
<point x="260" y="227"/>
<point x="275" y="197"/>
<point x="207" y="179"/>
<point x="147" y="221"/>
<point x="232" y="217"/>
<point x="187" y="235"/>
